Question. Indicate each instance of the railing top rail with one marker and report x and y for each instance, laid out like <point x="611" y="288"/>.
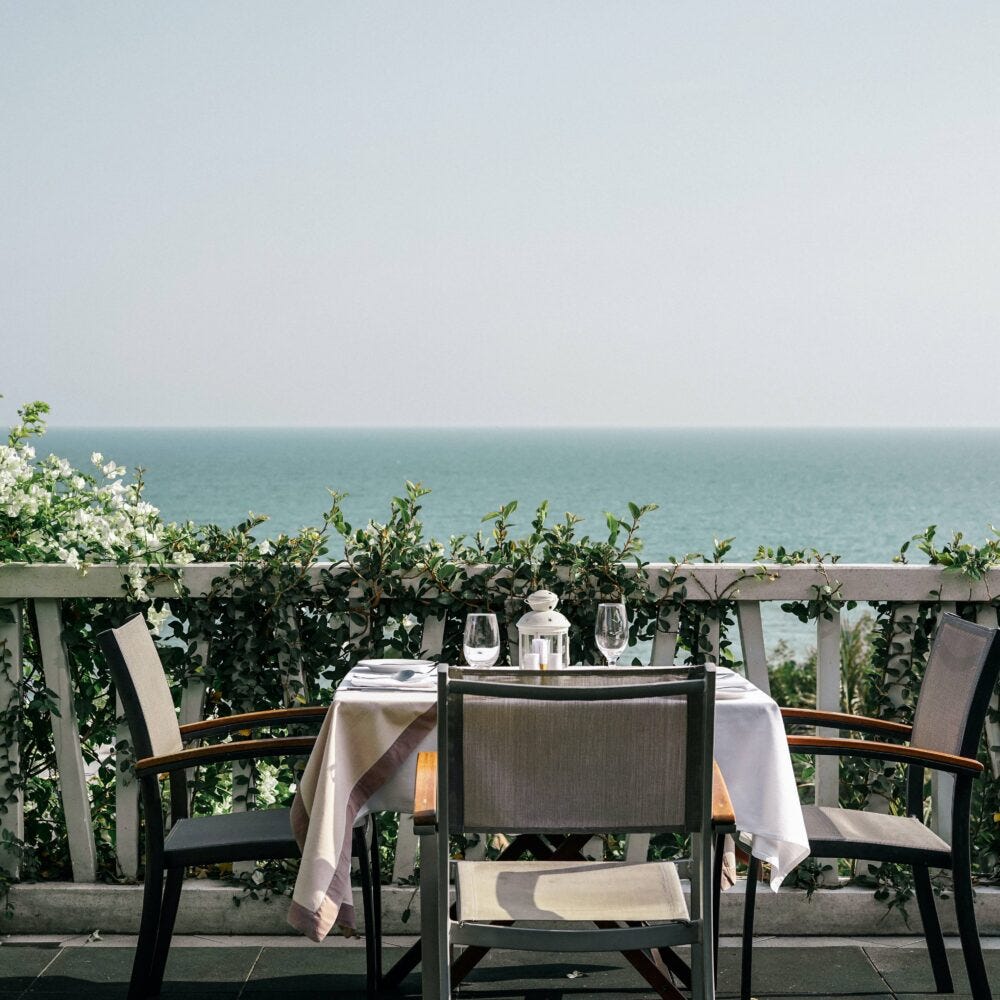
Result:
<point x="703" y="581"/>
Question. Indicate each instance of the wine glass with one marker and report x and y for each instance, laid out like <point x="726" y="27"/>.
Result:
<point x="481" y="642"/>
<point x="611" y="631"/>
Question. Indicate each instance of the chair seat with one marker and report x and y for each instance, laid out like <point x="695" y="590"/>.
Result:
<point x="851" y="833"/>
<point x="568" y="890"/>
<point x="242" y="836"/>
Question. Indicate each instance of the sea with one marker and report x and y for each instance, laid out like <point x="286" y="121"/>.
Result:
<point x="856" y="493"/>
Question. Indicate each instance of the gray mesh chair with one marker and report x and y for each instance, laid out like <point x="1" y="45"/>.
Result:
<point x="158" y="743"/>
<point x="961" y="675"/>
<point x="567" y="752"/>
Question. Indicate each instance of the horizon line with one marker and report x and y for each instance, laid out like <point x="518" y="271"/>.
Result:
<point x="410" y="428"/>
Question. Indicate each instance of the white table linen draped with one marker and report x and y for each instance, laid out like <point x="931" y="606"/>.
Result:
<point x="365" y="761"/>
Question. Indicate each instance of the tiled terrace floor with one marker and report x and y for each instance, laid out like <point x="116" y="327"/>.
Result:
<point x="254" y="968"/>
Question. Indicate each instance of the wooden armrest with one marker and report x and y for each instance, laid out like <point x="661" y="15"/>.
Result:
<point x="722" y="807"/>
<point x="841" y="720"/>
<point x="884" y="751"/>
<point x="425" y="790"/>
<point x="253" y="720"/>
<point x="219" y="752"/>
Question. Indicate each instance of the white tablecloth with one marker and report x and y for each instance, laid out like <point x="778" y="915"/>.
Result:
<point x="365" y="761"/>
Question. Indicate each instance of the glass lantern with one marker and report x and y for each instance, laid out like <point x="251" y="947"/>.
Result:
<point x="543" y="622"/>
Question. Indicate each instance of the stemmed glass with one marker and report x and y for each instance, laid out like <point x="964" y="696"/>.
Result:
<point x="611" y="631"/>
<point x="481" y="642"/>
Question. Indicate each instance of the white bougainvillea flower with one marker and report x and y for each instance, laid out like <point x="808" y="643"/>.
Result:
<point x="51" y="512"/>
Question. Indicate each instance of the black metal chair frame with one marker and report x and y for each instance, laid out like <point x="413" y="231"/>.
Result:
<point x="164" y="876"/>
<point x="964" y="767"/>
<point x="438" y="816"/>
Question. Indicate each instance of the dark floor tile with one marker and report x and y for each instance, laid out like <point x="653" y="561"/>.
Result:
<point x="327" y="992"/>
<point x="544" y="976"/>
<point x="908" y="970"/>
<point x="930" y="995"/>
<point x="790" y="972"/>
<point x="298" y="971"/>
<point x="19" y="965"/>
<point x="117" y="993"/>
<point x="92" y="972"/>
<point x="189" y="971"/>
<point x="221" y="971"/>
<point x="89" y="992"/>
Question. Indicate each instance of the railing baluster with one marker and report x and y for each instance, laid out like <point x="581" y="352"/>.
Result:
<point x="285" y="660"/>
<point x="126" y="799"/>
<point x="12" y="819"/>
<point x="432" y="636"/>
<point x="828" y="699"/>
<point x="902" y="621"/>
<point x="752" y="642"/>
<point x="66" y="737"/>
<point x="192" y="707"/>
<point x="665" y="640"/>
<point x="513" y="643"/>
<point x="714" y="638"/>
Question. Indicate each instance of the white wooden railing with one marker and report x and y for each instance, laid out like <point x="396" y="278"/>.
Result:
<point x="750" y="586"/>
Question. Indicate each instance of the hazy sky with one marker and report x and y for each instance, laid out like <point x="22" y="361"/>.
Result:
<point x="531" y="213"/>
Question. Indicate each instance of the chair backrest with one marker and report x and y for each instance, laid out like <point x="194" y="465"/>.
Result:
<point x="142" y="685"/>
<point x="577" y="750"/>
<point x="961" y="673"/>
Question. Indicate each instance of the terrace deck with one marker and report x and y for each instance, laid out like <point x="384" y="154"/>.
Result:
<point x="256" y="968"/>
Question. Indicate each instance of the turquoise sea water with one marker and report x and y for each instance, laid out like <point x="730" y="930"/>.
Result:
<point x="859" y="493"/>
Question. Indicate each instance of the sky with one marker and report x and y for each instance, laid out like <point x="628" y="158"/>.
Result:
<point x="522" y="213"/>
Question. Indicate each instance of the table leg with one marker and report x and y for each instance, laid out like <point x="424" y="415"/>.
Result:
<point x="646" y="965"/>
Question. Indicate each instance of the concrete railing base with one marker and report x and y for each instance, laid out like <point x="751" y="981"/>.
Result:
<point x="208" y="908"/>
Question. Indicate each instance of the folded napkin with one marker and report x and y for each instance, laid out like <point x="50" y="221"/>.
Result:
<point x="426" y="681"/>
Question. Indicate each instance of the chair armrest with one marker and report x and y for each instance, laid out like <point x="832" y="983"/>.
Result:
<point x="841" y="720"/>
<point x="220" y="752"/>
<point x="425" y="793"/>
<point x="884" y="751"/>
<point x="722" y="807"/>
<point x="253" y="720"/>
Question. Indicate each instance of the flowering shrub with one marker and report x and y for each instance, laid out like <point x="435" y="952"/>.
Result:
<point x="51" y="512"/>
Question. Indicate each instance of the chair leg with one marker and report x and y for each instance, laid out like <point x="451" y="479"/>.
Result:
<point x="932" y="930"/>
<point x="165" y="930"/>
<point x="377" y="900"/>
<point x="435" y="974"/>
<point x="966" y="914"/>
<point x="364" y="865"/>
<point x="720" y="855"/>
<point x="152" y="896"/>
<point x="749" y="904"/>
<point x="702" y="979"/>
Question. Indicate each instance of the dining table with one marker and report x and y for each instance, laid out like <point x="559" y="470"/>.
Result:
<point x="364" y="761"/>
